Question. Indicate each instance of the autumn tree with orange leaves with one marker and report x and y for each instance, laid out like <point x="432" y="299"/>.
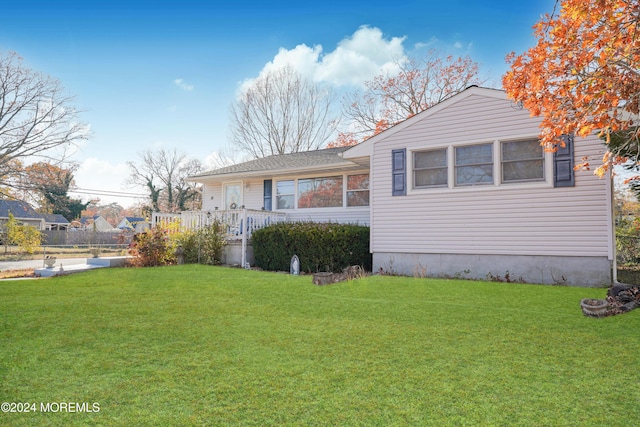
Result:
<point x="583" y="76"/>
<point x="49" y="185"/>
<point x="392" y="97"/>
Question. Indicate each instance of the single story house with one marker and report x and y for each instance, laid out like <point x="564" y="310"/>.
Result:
<point x="317" y="186"/>
<point x="94" y="223"/>
<point x="132" y="223"/>
<point x="55" y="222"/>
<point x="27" y="215"/>
<point x="462" y="189"/>
<point x="22" y="212"/>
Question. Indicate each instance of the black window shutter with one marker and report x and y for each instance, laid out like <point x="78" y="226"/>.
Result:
<point x="268" y="191"/>
<point x="563" y="175"/>
<point x="399" y="171"/>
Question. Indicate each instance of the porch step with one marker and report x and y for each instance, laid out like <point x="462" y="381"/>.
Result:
<point x="58" y="271"/>
<point x="110" y="261"/>
<point x="91" y="263"/>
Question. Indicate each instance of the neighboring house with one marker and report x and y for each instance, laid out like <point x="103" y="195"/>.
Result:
<point x="23" y="212"/>
<point x="95" y="222"/>
<point x="132" y="223"/>
<point x="55" y="222"/>
<point x="462" y="189"/>
<point x="314" y="185"/>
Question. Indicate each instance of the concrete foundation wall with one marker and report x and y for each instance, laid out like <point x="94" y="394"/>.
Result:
<point x="559" y="270"/>
<point x="232" y="253"/>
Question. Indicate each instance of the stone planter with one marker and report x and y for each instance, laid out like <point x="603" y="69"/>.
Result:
<point x="49" y="262"/>
<point x="95" y="252"/>
<point x="594" y="307"/>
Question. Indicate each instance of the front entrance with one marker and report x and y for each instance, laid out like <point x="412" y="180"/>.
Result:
<point x="233" y="196"/>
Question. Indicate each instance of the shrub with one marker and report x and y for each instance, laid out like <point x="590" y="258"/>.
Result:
<point x="209" y="240"/>
<point x="26" y="237"/>
<point x="628" y="242"/>
<point x="319" y="246"/>
<point x="152" y="248"/>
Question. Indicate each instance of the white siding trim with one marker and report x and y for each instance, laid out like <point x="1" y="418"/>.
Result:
<point x="497" y="169"/>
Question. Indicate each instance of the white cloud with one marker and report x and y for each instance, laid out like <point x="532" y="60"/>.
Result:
<point x="356" y="59"/>
<point x="183" y="85"/>
<point x="104" y="176"/>
<point x="361" y="57"/>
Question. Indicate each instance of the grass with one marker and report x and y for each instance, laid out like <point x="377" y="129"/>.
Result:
<point x="198" y="345"/>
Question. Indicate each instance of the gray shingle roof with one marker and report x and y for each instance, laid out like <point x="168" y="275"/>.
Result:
<point x="306" y="159"/>
<point x="18" y="208"/>
<point x="85" y="219"/>
<point x="21" y="209"/>
<point x="54" y="218"/>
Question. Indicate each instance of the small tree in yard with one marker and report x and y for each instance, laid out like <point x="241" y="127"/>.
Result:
<point x="27" y="238"/>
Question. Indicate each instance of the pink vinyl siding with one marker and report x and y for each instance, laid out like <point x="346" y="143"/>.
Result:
<point x="513" y="219"/>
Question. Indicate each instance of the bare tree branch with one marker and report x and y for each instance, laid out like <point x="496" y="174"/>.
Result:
<point x="35" y="115"/>
<point x="281" y="113"/>
<point x="418" y="84"/>
<point x="164" y="174"/>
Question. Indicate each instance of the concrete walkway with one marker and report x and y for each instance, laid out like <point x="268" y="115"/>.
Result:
<point x="38" y="263"/>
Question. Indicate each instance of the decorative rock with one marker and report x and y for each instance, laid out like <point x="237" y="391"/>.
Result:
<point x="323" y="278"/>
<point x="349" y="273"/>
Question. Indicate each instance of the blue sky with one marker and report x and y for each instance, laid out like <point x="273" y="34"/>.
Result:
<point x="150" y="74"/>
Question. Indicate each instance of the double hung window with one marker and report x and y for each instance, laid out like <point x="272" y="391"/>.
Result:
<point x="474" y="164"/>
<point x="358" y="190"/>
<point x="430" y="168"/>
<point x="285" y="194"/>
<point x="522" y="161"/>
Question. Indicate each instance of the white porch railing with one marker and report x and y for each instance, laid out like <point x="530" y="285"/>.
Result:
<point x="239" y="223"/>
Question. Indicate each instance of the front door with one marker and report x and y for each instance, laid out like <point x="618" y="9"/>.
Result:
<point x="233" y="196"/>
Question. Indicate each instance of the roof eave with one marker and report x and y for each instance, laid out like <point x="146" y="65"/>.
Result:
<point x="346" y="165"/>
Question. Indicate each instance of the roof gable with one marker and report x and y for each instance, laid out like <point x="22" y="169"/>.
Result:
<point x="133" y="219"/>
<point x="365" y="148"/>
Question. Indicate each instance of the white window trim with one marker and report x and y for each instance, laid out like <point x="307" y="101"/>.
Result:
<point x="295" y="180"/>
<point x="545" y="157"/>
<point x="275" y="194"/>
<point x="497" y="170"/>
<point x="346" y="190"/>
<point x="411" y="163"/>
<point x="493" y="165"/>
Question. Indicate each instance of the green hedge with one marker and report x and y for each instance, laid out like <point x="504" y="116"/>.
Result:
<point x="320" y="247"/>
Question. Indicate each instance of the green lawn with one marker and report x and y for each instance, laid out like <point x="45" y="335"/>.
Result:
<point x="198" y="345"/>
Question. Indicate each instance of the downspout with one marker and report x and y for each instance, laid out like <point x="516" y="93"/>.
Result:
<point x="614" y="262"/>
